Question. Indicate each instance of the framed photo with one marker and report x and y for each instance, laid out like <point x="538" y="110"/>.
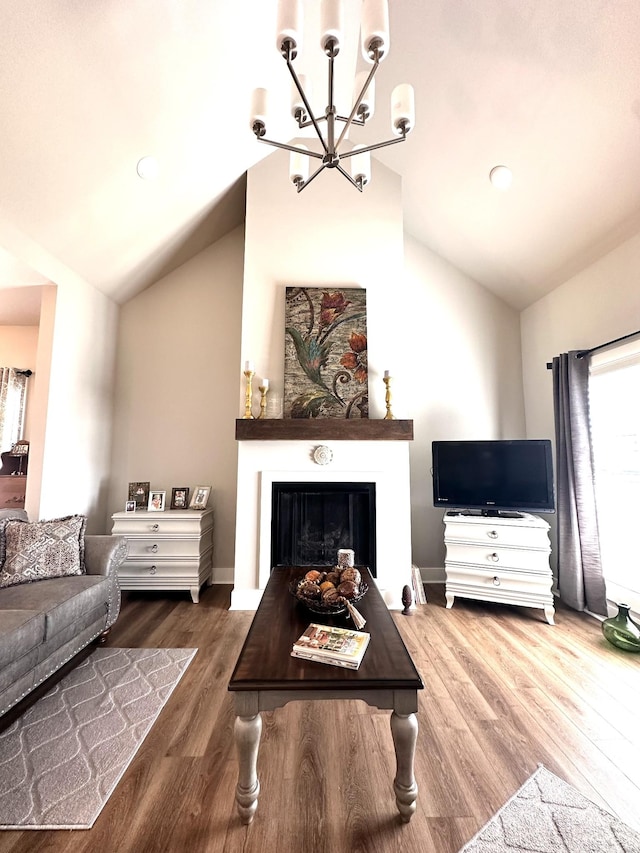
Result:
<point x="156" y="501"/>
<point x="180" y="497"/>
<point x="139" y="492"/>
<point x="200" y="497"/>
<point x="130" y="506"/>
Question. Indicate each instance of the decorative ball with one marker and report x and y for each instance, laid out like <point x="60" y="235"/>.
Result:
<point x="308" y="589"/>
<point x="348" y="589"/>
<point x="351" y="575"/>
<point x="314" y="576"/>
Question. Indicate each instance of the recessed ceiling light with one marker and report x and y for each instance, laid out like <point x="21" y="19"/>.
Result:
<point x="501" y="177"/>
<point x="147" y="168"/>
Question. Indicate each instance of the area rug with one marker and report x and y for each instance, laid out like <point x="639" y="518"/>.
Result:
<point x="61" y="760"/>
<point x="547" y="815"/>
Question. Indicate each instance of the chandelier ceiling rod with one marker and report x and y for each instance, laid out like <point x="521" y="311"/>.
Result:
<point x="375" y="39"/>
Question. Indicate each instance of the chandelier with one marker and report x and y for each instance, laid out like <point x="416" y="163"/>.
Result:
<point x="374" y="31"/>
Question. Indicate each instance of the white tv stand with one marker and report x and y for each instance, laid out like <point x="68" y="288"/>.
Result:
<point x="498" y="558"/>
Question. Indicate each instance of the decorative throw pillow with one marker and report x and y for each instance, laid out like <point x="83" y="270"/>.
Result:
<point x="38" y="550"/>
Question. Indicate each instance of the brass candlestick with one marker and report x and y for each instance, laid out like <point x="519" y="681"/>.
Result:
<point x="248" y="374"/>
<point x="263" y="400"/>
<point x="387" y="399"/>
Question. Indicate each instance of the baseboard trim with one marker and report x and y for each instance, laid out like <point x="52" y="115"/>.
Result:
<point x="433" y="575"/>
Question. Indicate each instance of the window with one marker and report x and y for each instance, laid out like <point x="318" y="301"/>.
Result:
<point x="615" y="434"/>
<point x="13" y="388"/>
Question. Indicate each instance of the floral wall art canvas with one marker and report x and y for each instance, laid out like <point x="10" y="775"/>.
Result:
<point x="325" y="359"/>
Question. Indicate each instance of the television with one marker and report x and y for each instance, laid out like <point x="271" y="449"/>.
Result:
<point x="506" y="477"/>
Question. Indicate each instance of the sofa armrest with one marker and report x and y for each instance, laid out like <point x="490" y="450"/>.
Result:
<point x="103" y="554"/>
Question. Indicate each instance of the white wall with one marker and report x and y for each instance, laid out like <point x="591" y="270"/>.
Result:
<point x="74" y="373"/>
<point x="597" y="305"/>
<point x="18" y="345"/>
<point x="176" y="388"/>
<point x="461" y="346"/>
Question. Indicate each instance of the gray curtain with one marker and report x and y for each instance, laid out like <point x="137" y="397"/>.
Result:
<point x="580" y="580"/>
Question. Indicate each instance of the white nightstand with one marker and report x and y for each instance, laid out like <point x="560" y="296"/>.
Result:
<point x="167" y="550"/>
<point x="499" y="559"/>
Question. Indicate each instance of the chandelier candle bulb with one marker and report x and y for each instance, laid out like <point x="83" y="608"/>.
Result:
<point x="248" y="366"/>
<point x="297" y="104"/>
<point x="289" y="26"/>
<point x="375" y="28"/>
<point x="403" y="109"/>
<point x="259" y="107"/>
<point x="386" y="374"/>
<point x="367" y="104"/>
<point x="299" y="166"/>
<point x="331" y="24"/>
<point x="361" y="167"/>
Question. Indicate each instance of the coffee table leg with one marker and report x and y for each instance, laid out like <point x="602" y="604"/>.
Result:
<point x="404" y="729"/>
<point x="247" y="732"/>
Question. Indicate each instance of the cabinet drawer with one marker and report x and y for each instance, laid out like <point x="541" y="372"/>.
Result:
<point x="508" y="558"/>
<point x="161" y="524"/>
<point x="186" y="569"/>
<point x="497" y="584"/>
<point x="518" y="537"/>
<point x="152" y="548"/>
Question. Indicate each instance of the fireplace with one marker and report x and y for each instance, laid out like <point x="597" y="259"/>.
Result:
<point x="364" y="454"/>
<point x="311" y="521"/>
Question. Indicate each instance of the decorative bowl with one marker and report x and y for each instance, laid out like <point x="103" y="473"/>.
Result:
<point x="319" y="606"/>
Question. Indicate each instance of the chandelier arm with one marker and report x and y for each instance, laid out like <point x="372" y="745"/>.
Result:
<point x="303" y="124"/>
<point x="305" y="101"/>
<point x="348" y="176"/>
<point x="306" y="183"/>
<point x="331" y="111"/>
<point x="359" y="121"/>
<point x="293" y="148"/>
<point x="373" y="147"/>
<point x="359" y="99"/>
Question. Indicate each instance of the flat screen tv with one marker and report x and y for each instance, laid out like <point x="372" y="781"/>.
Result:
<point x="493" y="477"/>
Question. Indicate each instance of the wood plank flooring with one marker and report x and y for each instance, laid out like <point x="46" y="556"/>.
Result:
<point x="504" y="692"/>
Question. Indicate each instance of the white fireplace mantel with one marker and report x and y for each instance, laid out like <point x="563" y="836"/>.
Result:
<point x="263" y="462"/>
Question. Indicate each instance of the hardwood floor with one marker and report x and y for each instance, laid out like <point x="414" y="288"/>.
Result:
<point x="504" y="692"/>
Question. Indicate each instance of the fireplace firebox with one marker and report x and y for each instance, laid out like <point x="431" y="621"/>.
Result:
<point x="311" y="521"/>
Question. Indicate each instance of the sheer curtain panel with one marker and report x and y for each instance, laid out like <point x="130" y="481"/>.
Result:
<point x="13" y="392"/>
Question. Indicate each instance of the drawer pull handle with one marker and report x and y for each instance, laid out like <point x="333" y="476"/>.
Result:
<point x="153" y="549"/>
<point x="152" y="570"/>
<point x="494" y="557"/>
<point x="496" y="581"/>
<point x="492" y="534"/>
<point x="155" y="526"/>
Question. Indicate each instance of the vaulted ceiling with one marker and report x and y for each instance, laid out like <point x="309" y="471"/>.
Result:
<point x="549" y="87"/>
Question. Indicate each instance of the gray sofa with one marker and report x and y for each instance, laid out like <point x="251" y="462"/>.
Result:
<point x="45" y="623"/>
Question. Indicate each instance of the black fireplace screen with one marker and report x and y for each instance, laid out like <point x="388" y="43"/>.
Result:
<point x="311" y="521"/>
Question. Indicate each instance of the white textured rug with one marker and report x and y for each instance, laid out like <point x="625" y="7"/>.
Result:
<point x="61" y="760"/>
<point x="547" y="815"/>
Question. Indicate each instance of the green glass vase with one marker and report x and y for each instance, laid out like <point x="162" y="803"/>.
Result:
<point x="621" y="631"/>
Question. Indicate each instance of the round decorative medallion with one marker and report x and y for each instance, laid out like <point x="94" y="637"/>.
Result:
<point x="322" y="454"/>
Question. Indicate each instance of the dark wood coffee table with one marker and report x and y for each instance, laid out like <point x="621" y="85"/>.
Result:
<point x="267" y="677"/>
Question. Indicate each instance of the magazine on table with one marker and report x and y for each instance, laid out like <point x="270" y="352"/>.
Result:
<point x="336" y="646"/>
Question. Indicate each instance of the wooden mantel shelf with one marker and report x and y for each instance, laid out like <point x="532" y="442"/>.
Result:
<point x="323" y="429"/>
